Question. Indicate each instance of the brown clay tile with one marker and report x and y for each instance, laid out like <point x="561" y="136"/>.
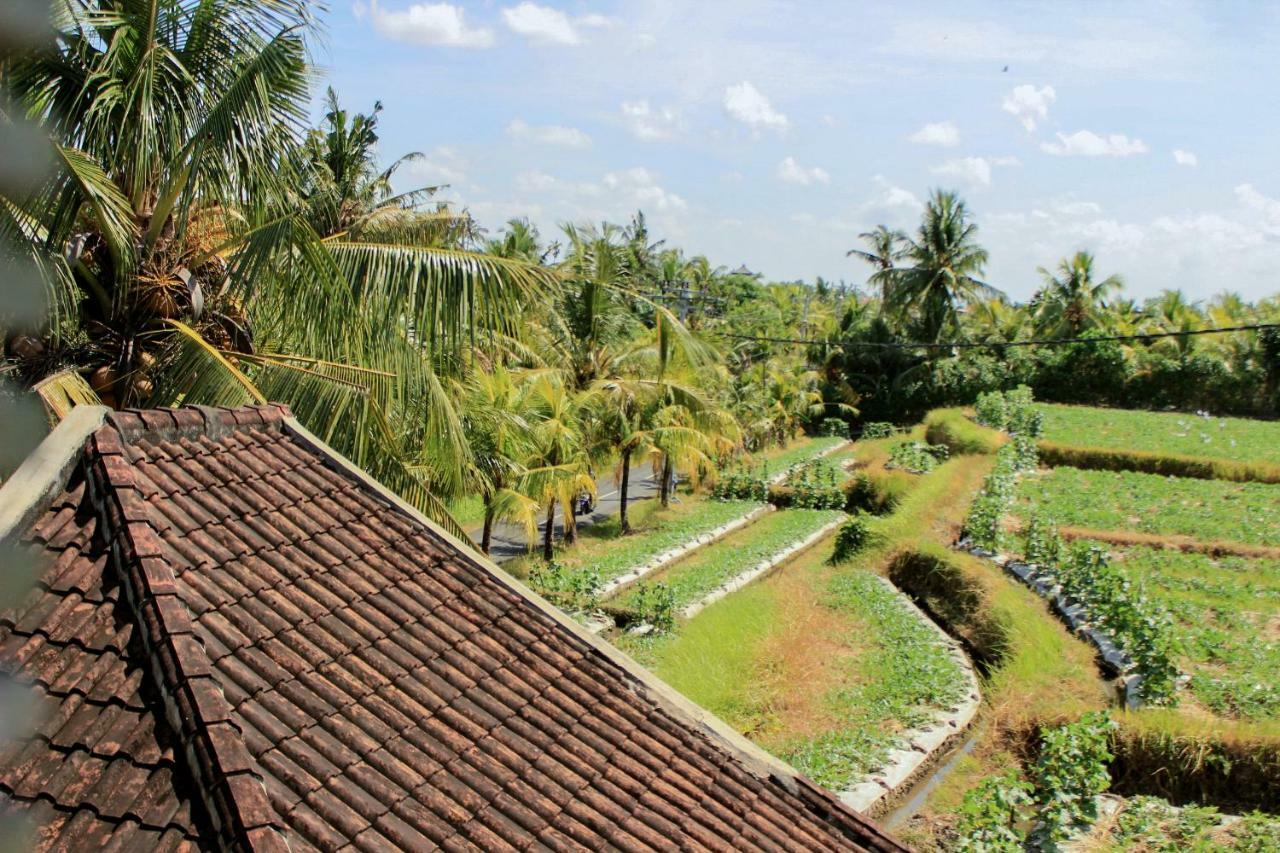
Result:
<point x="316" y="829"/>
<point x="336" y="813"/>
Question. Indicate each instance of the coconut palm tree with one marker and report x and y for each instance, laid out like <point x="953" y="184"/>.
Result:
<point x="183" y="267"/>
<point x="884" y="248"/>
<point x="497" y="415"/>
<point x="1071" y="301"/>
<point x="944" y="261"/>
<point x="558" y="465"/>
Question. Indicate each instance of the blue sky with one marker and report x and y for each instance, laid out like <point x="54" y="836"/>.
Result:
<point x="771" y="133"/>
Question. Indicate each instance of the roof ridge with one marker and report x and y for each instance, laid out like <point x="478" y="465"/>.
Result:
<point x="213" y="422"/>
<point x="227" y="777"/>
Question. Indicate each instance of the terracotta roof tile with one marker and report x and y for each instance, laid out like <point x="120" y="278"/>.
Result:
<point x="345" y="676"/>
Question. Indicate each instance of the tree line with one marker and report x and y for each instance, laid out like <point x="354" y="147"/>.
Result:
<point x="189" y="237"/>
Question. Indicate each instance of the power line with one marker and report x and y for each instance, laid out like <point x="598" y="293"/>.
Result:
<point x="997" y="345"/>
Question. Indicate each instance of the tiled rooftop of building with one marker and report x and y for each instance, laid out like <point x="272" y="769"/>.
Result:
<point x="239" y="640"/>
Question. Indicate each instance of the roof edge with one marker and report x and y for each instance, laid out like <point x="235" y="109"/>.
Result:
<point x="755" y="759"/>
<point x="47" y="469"/>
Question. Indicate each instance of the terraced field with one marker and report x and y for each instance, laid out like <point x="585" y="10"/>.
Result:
<point x="1237" y="439"/>
<point x="708" y="568"/>
<point x="1226" y="613"/>
<point x="821" y="665"/>
<point x="1126" y="500"/>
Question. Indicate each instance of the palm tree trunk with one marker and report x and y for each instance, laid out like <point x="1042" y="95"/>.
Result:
<point x="547" y="552"/>
<point x="622" y="492"/>
<point x="486" y="538"/>
<point x="571" y="521"/>
<point x="666" y="481"/>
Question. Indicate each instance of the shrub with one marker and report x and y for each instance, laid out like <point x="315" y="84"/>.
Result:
<point x="877" y="429"/>
<point x="834" y="426"/>
<point x="654" y="604"/>
<point x="1070" y="774"/>
<point x="853" y="537"/>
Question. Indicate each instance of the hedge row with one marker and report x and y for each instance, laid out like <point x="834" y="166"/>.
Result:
<point x="1054" y="454"/>
<point x="954" y="429"/>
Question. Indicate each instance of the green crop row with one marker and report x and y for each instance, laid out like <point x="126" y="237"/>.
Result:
<point x="618" y="555"/>
<point x="1224" y="611"/>
<point x="705" y="569"/>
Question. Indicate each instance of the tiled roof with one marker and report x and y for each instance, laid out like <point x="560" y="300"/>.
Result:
<point x="241" y="641"/>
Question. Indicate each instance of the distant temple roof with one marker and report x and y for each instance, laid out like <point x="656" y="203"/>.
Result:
<point x="239" y="640"/>
<point x="742" y="270"/>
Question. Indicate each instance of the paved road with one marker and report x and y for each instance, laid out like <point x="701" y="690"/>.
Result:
<point x="509" y="541"/>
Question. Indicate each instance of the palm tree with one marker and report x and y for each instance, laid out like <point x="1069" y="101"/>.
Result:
<point x="1071" y="301"/>
<point x="496" y="415"/>
<point x="885" y="247"/>
<point x="558" y="464"/>
<point x="945" y="260"/>
<point x="183" y="268"/>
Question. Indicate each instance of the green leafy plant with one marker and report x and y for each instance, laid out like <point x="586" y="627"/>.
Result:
<point x="1070" y="774"/>
<point x="834" y="427"/>
<point x="917" y="457"/>
<point x="654" y="604"/>
<point x="567" y="588"/>
<point x="990" y="815"/>
<point x="853" y="537"/>
<point x="815" y="485"/>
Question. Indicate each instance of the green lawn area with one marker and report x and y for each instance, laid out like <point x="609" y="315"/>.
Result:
<point x="1150" y="503"/>
<point x="709" y="567"/>
<point x="820" y="665"/>
<point x="1226" y="613"/>
<point x="1237" y="439"/>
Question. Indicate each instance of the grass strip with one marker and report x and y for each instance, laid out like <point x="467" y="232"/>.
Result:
<point x="905" y="676"/>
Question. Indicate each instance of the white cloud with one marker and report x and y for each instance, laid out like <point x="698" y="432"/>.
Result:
<point x="1086" y="143"/>
<point x="1185" y="158"/>
<point x="650" y="123"/>
<point x="974" y="171"/>
<point x="1027" y="104"/>
<point x="1266" y="209"/>
<point x="747" y="104"/>
<point x="942" y="133"/>
<point x="545" y="25"/>
<point x="549" y="134"/>
<point x="442" y="166"/>
<point x="428" y="23"/>
<point x="640" y="188"/>
<point x="793" y="173"/>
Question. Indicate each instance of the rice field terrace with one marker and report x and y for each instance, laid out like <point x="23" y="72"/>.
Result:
<point x="1237" y="439"/>
<point x="1209" y="510"/>
<point x="778" y="459"/>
